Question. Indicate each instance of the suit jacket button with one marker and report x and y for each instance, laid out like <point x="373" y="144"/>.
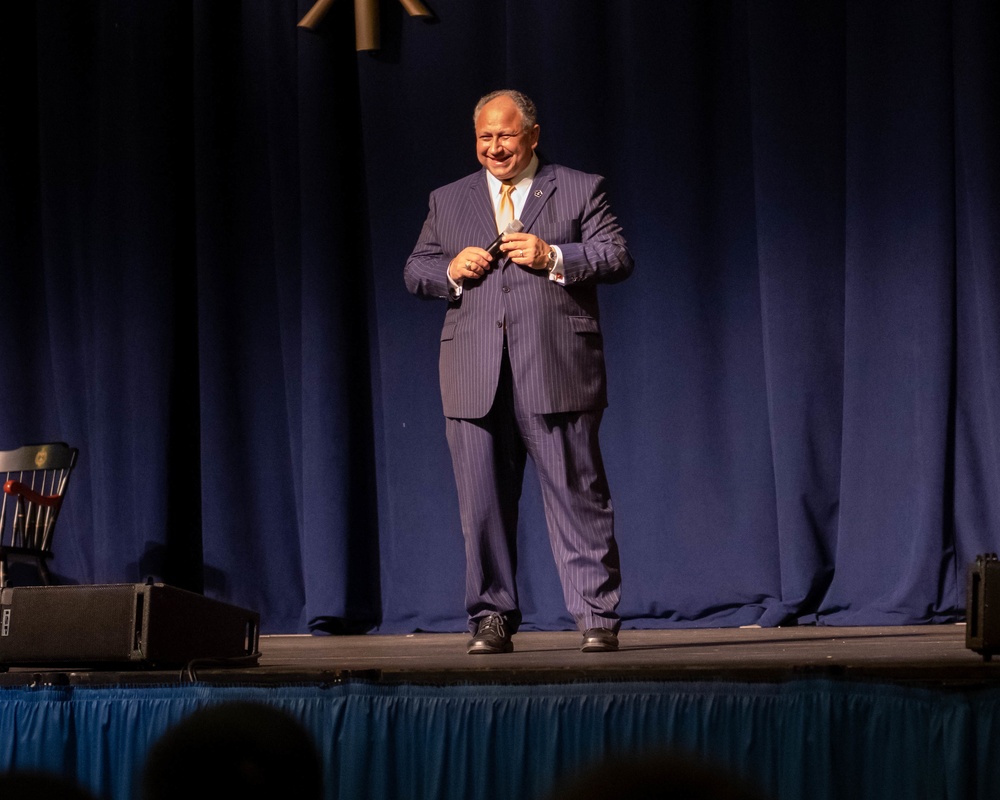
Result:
<point x="506" y="288"/>
<point x="499" y="323"/>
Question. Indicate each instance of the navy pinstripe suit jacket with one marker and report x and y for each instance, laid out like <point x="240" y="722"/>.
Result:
<point x="553" y="331"/>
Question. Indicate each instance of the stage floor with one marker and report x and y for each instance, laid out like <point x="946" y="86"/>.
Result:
<point x="931" y="655"/>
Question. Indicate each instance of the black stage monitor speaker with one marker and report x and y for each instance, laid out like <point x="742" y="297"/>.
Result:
<point x="982" y="606"/>
<point x="125" y="625"/>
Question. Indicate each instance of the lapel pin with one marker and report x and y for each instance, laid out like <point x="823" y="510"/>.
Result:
<point x="538" y="193"/>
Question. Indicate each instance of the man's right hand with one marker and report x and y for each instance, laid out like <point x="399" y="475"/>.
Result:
<point x="472" y="262"/>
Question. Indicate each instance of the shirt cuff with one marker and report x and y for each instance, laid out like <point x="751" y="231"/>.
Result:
<point x="556" y="270"/>
<point x="454" y="288"/>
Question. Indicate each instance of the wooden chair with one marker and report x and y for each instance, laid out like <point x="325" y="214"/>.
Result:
<point x="35" y="478"/>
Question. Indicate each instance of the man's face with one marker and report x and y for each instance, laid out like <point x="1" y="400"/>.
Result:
<point x="503" y="146"/>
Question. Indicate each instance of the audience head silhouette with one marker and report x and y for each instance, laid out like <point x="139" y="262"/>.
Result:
<point x="656" y="776"/>
<point x="35" y="785"/>
<point x="234" y="749"/>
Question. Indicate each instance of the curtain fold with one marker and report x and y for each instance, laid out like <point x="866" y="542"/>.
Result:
<point x="821" y="739"/>
<point x="206" y="210"/>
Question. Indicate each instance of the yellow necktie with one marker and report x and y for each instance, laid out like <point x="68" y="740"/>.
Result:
<point x="505" y="210"/>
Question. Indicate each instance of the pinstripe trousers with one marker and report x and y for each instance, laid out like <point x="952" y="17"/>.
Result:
<point x="489" y="456"/>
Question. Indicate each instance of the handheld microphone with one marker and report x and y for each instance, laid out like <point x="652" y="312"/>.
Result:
<point x="514" y="226"/>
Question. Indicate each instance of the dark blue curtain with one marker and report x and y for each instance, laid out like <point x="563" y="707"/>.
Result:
<point x="804" y="739"/>
<point x="204" y="212"/>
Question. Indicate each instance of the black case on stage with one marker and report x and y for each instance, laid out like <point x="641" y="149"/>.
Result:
<point x="982" y="606"/>
<point x="125" y="625"/>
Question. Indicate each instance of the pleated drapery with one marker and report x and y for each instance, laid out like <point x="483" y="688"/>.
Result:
<point x="206" y="211"/>
<point x="818" y="739"/>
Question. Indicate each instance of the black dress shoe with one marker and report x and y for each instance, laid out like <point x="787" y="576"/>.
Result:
<point x="599" y="640"/>
<point x="491" y="637"/>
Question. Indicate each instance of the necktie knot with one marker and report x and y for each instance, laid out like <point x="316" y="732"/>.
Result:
<point x="505" y="208"/>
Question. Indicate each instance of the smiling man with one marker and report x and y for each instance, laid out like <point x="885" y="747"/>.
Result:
<point x="505" y="148"/>
<point x="522" y="367"/>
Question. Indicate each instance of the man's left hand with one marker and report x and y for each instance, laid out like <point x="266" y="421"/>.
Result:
<point x="526" y="249"/>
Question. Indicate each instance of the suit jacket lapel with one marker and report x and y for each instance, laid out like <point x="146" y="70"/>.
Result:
<point x="482" y="207"/>
<point x="542" y="188"/>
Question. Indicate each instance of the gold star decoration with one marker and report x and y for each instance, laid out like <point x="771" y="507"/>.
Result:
<point x="366" y="20"/>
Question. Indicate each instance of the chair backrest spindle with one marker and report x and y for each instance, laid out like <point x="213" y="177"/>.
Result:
<point x="35" y="482"/>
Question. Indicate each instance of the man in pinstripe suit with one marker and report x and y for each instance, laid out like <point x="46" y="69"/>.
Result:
<point x="522" y="368"/>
